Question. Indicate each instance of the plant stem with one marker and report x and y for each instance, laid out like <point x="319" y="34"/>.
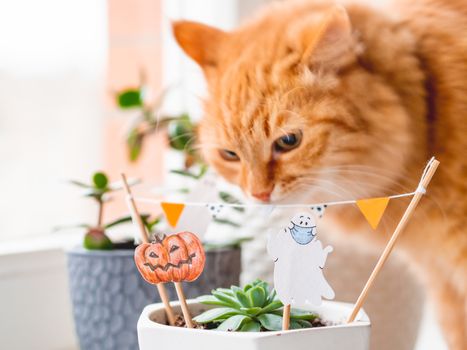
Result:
<point x="101" y="212"/>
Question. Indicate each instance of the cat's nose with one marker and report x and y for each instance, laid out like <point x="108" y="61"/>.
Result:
<point x="263" y="196"/>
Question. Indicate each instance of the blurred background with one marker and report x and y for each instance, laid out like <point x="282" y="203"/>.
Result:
<point x="84" y="86"/>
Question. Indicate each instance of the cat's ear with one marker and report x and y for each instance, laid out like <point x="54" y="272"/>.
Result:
<point x="199" y="41"/>
<point x="330" y="40"/>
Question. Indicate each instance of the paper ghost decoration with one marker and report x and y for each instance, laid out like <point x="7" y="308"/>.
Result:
<point x="299" y="259"/>
<point x="302" y="229"/>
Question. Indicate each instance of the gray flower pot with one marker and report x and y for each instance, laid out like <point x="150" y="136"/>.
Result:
<point x="108" y="293"/>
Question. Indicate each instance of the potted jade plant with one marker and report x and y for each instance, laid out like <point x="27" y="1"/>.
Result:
<point x="108" y="293"/>
<point x="250" y="318"/>
<point x="106" y="290"/>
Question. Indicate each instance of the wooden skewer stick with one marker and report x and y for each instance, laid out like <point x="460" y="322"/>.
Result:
<point x="183" y="304"/>
<point x="430" y="171"/>
<point x="144" y="237"/>
<point x="286" y="317"/>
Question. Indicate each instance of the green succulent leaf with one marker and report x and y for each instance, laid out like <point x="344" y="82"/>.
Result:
<point x="226" y="291"/>
<point x="276" y="304"/>
<point x="247" y="286"/>
<point x="252" y="311"/>
<point x="211" y="300"/>
<point x="270" y="321"/>
<point x="302" y="314"/>
<point x="233" y="323"/>
<point x="272" y="295"/>
<point x="100" y="180"/>
<point x="253" y="308"/>
<point x="215" y="314"/>
<point x="251" y="326"/>
<point x="297" y="324"/>
<point x="243" y="299"/>
<point x="257" y="296"/>
<point x="231" y="301"/>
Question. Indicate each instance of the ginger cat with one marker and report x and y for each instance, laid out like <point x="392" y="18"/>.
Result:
<point x="311" y="101"/>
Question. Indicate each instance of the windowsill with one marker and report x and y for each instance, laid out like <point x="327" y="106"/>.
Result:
<point x="40" y="243"/>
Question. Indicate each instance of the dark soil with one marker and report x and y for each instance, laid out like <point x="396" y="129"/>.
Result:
<point x="180" y="322"/>
<point x="124" y="245"/>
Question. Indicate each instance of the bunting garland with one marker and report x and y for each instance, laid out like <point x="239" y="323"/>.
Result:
<point x="371" y="208"/>
<point x="215" y="209"/>
<point x="172" y="212"/>
<point x="319" y="209"/>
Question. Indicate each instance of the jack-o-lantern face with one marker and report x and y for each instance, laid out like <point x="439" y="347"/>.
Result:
<point x="176" y="258"/>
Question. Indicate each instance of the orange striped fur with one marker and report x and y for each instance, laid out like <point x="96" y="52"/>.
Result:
<point x="375" y="93"/>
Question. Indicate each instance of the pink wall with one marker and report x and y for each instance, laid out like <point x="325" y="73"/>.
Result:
<point x="135" y="42"/>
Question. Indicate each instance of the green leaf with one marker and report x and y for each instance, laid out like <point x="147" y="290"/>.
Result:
<point x="235" y="288"/>
<point x="215" y="314"/>
<point x="226" y="291"/>
<point x="123" y="220"/>
<point x="150" y="224"/>
<point x="134" y="143"/>
<point x="276" y="304"/>
<point x="100" y="180"/>
<point x="243" y="299"/>
<point x="257" y="296"/>
<point x="252" y="311"/>
<point x="302" y="314"/>
<point x="129" y="98"/>
<point x="80" y="184"/>
<point x="226" y="222"/>
<point x="97" y="241"/>
<point x="272" y="295"/>
<point x="184" y="173"/>
<point x="247" y="286"/>
<point x="180" y="134"/>
<point x="251" y="326"/>
<point x="231" y="301"/>
<point x="233" y="323"/>
<point x="297" y="324"/>
<point x="211" y="300"/>
<point x="228" y="198"/>
<point x="270" y="321"/>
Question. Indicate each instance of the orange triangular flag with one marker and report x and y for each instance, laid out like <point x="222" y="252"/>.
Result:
<point x="373" y="209"/>
<point x="172" y="212"/>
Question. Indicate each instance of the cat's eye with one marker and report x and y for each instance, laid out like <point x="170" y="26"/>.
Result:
<point x="288" y="142"/>
<point x="229" y="156"/>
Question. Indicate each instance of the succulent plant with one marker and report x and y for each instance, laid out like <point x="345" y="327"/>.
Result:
<point x="253" y="308"/>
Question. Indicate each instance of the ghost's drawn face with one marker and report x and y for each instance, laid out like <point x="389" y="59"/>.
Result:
<point x="303" y="228"/>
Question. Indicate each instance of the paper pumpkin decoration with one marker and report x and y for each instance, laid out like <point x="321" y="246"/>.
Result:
<point x="299" y="260"/>
<point x="175" y="258"/>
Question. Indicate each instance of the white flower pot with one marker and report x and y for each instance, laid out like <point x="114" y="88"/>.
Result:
<point x="153" y="333"/>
